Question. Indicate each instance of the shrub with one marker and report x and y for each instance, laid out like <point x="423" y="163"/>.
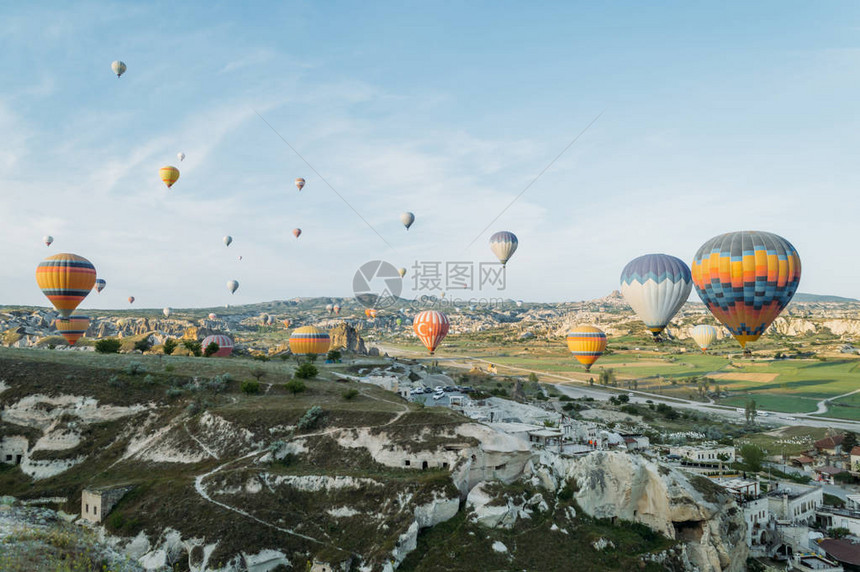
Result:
<point x="307" y="371"/>
<point x="115" y="381"/>
<point x="333" y="355"/>
<point x="135" y="368"/>
<point x="295" y="386"/>
<point x="350" y="394"/>
<point x="108" y="346"/>
<point x="143" y="345"/>
<point x="533" y="377"/>
<point x="169" y="367"/>
<point x="258" y="372"/>
<point x="169" y="346"/>
<point x="148" y="380"/>
<point x="311" y="357"/>
<point x="219" y="383"/>
<point x="211" y="349"/>
<point x="174" y="392"/>
<point x="193" y="346"/>
<point x="250" y="386"/>
<point x="310" y="419"/>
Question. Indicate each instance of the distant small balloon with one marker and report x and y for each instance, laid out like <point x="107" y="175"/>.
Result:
<point x="402" y="272"/>
<point x="169" y="175"/>
<point x="118" y="68"/>
<point x="131" y="299"/>
<point x="297" y="232"/>
<point x="181" y="156"/>
<point x="166" y="312"/>
<point x="213" y="316"/>
<point x="407" y="218"/>
<point x="336" y="309"/>
<point x="232" y="286"/>
<point x="227" y="240"/>
<point x="240" y="257"/>
<point x="48" y="240"/>
<point x="100" y="284"/>
<point x="300" y="183"/>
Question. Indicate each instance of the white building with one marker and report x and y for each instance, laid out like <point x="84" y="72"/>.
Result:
<point x="795" y="503"/>
<point x="705" y="455"/>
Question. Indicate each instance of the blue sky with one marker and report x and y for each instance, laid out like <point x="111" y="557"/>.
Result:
<point x="716" y="117"/>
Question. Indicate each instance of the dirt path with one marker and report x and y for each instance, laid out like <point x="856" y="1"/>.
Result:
<point x="822" y="405"/>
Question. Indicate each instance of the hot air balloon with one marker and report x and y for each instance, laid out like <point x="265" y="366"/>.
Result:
<point x="227" y="240"/>
<point x="370" y="312"/>
<point x="519" y="303"/>
<point x="131" y="299"/>
<point x="300" y="183"/>
<point x="225" y="345"/>
<point x="297" y="232"/>
<point x="66" y="279"/>
<point x="746" y="279"/>
<point x="181" y="156"/>
<point x="586" y="343"/>
<point x="398" y="321"/>
<point x="286" y="322"/>
<point x="100" y="285"/>
<point x="407" y="218"/>
<point x="264" y="318"/>
<point x="213" y="316"/>
<point x="240" y="258"/>
<point x="72" y="328"/>
<point x="166" y="312"/>
<point x="329" y="308"/>
<point x="504" y="244"/>
<point x="48" y="240"/>
<point x="703" y="335"/>
<point x="232" y="286"/>
<point x="431" y="327"/>
<point x="336" y="309"/>
<point x="309" y="340"/>
<point x="118" y="68"/>
<point x="402" y="272"/>
<point x="656" y="286"/>
<point x="169" y="175"/>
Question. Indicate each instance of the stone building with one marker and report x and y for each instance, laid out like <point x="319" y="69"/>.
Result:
<point x="96" y="503"/>
<point x="13" y="449"/>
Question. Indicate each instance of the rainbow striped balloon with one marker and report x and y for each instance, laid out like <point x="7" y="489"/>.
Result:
<point x="66" y="279"/>
<point x="746" y="279"/>
<point x="431" y="327"/>
<point x="309" y="340"/>
<point x="72" y="328"/>
<point x="586" y="343"/>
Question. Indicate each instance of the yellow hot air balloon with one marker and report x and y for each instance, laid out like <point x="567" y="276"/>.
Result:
<point x="586" y="343"/>
<point x="72" y="328"/>
<point x="169" y="175"/>
<point x="402" y="272"/>
<point x="309" y="340"/>
<point x="704" y="335"/>
<point x="66" y="279"/>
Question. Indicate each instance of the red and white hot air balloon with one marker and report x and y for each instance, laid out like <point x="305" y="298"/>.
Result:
<point x="431" y="327"/>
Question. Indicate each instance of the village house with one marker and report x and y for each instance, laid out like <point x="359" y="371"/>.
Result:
<point x="829" y="445"/>
<point x="747" y="493"/>
<point x="854" y="460"/>
<point x="96" y="503"/>
<point x="795" y="503"/>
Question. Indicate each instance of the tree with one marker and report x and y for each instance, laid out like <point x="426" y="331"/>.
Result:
<point x="169" y="346"/>
<point x="307" y="371"/>
<point x="750" y="412"/>
<point x="211" y="349"/>
<point x="590" y="381"/>
<point x="350" y="394"/>
<point x="108" y="346"/>
<point x="295" y="386"/>
<point x="258" y="373"/>
<point x="849" y="441"/>
<point x="752" y="456"/>
<point x="143" y="345"/>
<point x="193" y="346"/>
<point x="333" y="355"/>
<point x="533" y="377"/>
<point x="250" y="386"/>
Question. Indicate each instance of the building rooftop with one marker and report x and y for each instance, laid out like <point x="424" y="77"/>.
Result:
<point x="841" y="550"/>
<point x="829" y="442"/>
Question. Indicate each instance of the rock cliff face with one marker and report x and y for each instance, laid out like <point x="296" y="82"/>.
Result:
<point x="344" y="336"/>
<point x="689" y="509"/>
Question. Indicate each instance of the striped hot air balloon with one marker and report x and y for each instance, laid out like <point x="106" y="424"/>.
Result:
<point x="225" y="344"/>
<point x="746" y="279"/>
<point x="431" y="327"/>
<point x="118" y="68"/>
<point x="656" y="286"/>
<point x="213" y="316"/>
<point x="407" y="218"/>
<point x="504" y="244"/>
<point x="300" y="183"/>
<point x="100" y="285"/>
<point x="131" y="299"/>
<point x="169" y="175"/>
<point x="336" y="309"/>
<point x="297" y="232"/>
<point x="309" y="340"/>
<point x="66" y="279"/>
<point x="704" y="335"/>
<point x="586" y="343"/>
<point x="72" y="328"/>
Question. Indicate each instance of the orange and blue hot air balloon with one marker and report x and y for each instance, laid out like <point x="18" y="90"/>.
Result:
<point x="746" y="279"/>
<point x="431" y="327"/>
<point x="66" y="279"/>
<point x="100" y="285"/>
<point x="169" y="175"/>
<point x="587" y="344"/>
<point x="72" y="328"/>
<point x="309" y="340"/>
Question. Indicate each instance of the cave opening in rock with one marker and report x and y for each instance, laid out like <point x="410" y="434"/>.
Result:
<point x="689" y="530"/>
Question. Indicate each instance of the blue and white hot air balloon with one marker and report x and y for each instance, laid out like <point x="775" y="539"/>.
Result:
<point x="504" y="244"/>
<point x="656" y="286"/>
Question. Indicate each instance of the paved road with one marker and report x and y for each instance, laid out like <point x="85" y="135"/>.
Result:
<point x="579" y="388"/>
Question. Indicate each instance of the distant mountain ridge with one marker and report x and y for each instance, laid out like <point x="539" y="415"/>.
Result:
<point x="803" y="297"/>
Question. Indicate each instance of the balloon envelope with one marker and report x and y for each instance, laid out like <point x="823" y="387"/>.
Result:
<point x="118" y="68"/>
<point x="431" y="327"/>
<point x="212" y="316"/>
<point x="181" y="156"/>
<point x="297" y="232"/>
<point x="131" y="299"/>
<point x="300" y="183"/>
<point x="402" y="272"/>
<point x="166" y="312"/>
<point x="587" y="344"/>
<point x="169" y="175"/>
<point x="407" y="218"/>
<point x="225" y="345"/>
<point x="66" y="279"/>
<point x="100" y="284"/>
<point x="48" y="240"/>
<point x="504" y="244"/>
<point x="227" y="240"/>
<point x="336" y="309"/>
<point x="232" y="286"/>
<point x="704" y="335"/>
<point x="656" y="286"/>
<point x="72" y="328"/>
<point x="309" y="340"/>
<point x="746" y="279"/>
